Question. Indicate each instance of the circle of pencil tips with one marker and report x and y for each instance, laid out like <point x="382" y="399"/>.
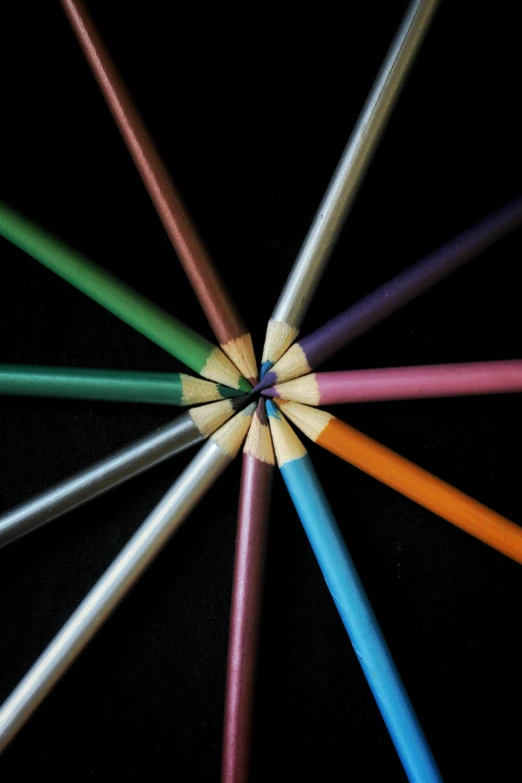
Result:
<point x="226" y="415"/>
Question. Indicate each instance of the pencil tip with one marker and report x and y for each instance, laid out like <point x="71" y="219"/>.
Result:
<point x="244" y="385"/>
<point x="259" y="440"/>
<point x="270" y="392"/>
<point x="265" y="367"/>
<point x="272" y="411"/>
<point x="250" y="409"/>
<point x="269" y="379"/>
<point x="238" y="403"/>
<point x="240" y="351"/>
<point x="226" y="391"/>
<point x="261" y="412"/>
<point x="232" y="434"/>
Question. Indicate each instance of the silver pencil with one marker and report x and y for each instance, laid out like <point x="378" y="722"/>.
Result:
<point x="310" y="264"/>
<point x="186" y="430"/>
<point x="122" y="574"/>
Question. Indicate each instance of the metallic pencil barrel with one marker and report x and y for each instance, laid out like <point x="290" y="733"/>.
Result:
<point x="106" y="594"/>
<point x="320" y="240"/>
<point x="99" y="478"/>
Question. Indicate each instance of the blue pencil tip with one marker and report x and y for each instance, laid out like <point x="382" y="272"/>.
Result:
<point x="272" y="410"/>
<point x="264" y="369"/>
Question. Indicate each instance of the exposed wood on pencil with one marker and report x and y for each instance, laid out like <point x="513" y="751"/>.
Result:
<point x="247" y="593"/>
<point x="401" y="383"/>
<point x="123" y="573"/>
<point x="208" y="418"/>
<point x="120" y="299"/>
<point x="115" y="385"/>
<point x="352" y="602"/>
<point x="406" y="477"/>
<point x="311" y="351"/>
<point x="227" y="325"/>
<point x="186" y="430"/>
<point x="305" y="275"/>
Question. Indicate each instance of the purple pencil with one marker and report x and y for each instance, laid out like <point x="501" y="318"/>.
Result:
<point x="311" y="351"/>
<point x="247" y="592"/>
<point x="402" y="383"/>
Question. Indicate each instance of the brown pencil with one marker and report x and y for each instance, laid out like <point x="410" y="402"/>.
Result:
<point x="227" y="325"/>
<point x="247" y="593"/>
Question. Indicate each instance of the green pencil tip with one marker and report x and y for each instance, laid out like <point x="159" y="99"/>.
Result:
<point x="244" y="385"/>
<point x="227" y="392"/>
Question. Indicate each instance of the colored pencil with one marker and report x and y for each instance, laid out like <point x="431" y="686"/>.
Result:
<point x="351" y="601"/>
<point x="123" y="573"/>
<point x="406" y="477"/>
<point x="247" y="593"/>
<point x="311" y="351"/>
<point x="143" y="315"/>
<point x="163" y="388"/>
<point x="304" y="278"/>
<point x="402" y="383"/>
<point x="222" y="315"/>
<point x="193" y="426"/>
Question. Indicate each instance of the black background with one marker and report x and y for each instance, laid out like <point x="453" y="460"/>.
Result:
<point x="251" y="112"/>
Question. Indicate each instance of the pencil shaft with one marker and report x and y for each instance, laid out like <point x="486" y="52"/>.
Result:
<point x="359" y="620"/>
<point x="400" y="383"/>
<point x="118" y="385"/>
<point x="206" y="282"/>
<point x="98" y="478"/>
<point x="113" y="294"/>
<point x="107" y="593"/>
<point x="390" y="297"/>
<point x="245" y="617"/>
<point x="422" y="487"/>
<point x="315" y="252"/>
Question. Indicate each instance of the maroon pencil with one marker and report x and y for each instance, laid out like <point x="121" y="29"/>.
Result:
<point x="247" y="592"/>
<point x="208" y="286"/>
<point x="402" y="383"/>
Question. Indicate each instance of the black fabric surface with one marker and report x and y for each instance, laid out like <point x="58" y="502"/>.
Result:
<point x="251" y="112"/>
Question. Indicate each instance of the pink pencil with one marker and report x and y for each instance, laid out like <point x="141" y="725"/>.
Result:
<point x="401" y="383"/>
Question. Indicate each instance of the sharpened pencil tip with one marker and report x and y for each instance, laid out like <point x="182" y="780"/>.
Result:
<point x="250" y="409"/>
<point x="238" y="403"/>
<point x="272" y="411"/>
<point x="226" y="391"/>
<point x="270" y="392"/>
<point x="261" y="412"/>
<point x="265" y="367"/>
<point x="244" y="385"/>
<point x="270" y="379"/>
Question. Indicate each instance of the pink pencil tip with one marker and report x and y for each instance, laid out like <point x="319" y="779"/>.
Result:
<point x="270" y="392"/>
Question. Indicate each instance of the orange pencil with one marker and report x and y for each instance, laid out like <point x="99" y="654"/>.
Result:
<point x="404" y="476"/>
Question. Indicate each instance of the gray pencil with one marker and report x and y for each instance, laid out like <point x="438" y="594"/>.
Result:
<point x="186" y="430"/>
<point x="310" y="264"/>
<point x="122" y="574"/>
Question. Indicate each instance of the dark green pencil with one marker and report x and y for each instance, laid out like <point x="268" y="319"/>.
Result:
<point x="164" y="388"/>
<point x="172" y="335"/>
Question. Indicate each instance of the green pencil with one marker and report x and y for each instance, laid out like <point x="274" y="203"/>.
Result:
<point x="165" y="388"/>
<point x="143" y="315"/>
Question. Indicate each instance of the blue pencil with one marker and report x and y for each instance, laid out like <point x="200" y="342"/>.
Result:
<point x="351" y="601"/>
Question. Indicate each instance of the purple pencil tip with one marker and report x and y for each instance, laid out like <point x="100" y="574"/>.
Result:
<point x="270" y="379"/>
<point x="270" y="392"/>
